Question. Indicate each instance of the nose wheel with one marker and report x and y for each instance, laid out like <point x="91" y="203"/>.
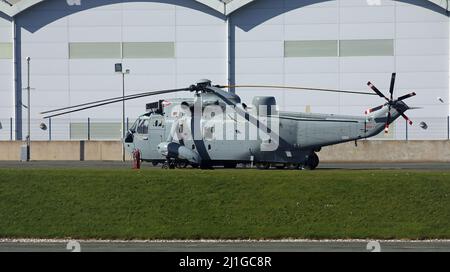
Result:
<point x="169" y="164"/>
<point x="312" y="162"/>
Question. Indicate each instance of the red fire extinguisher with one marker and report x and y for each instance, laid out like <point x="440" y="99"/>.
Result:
<point x="136" y="159"/>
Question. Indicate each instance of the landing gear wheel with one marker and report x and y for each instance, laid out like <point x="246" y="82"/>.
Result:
<point x="172" y="165"/>
<point x="154" y="163"/>
<point x="169" y="164"/>
<point x="182" y="165"/>
<point x="263" y="166"/>
<point x="312" y="162"/>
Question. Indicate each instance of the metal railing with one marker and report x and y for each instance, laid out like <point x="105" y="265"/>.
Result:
<point x="57" y="129"/>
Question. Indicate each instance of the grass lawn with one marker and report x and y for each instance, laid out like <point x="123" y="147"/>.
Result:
<point x="194" y="204"/>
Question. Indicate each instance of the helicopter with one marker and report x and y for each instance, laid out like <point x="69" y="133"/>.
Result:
<point x="215" y="128"/>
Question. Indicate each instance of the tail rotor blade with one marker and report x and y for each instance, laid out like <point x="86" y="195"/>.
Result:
<point x="406" y="96"/>
<point x="407" y="119"/>
<point x="391" y="89"/>
<point x="388" y="121"/>
<point x="374" y="109"/>
<point x="375" y="89"/>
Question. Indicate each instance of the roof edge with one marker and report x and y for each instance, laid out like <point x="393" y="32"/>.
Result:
<point x="26" y="4"/>
<point x="17" y="8"/>
<point x="235" y="5"/>
<point x="214" y="4"/>
<point x="224" y="8"/>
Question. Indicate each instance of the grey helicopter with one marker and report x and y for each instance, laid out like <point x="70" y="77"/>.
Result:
<point x="215" y="128"/>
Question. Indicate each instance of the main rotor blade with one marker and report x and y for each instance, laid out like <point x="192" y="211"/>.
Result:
<point x="293" y="88"/>
<point x="406" y="96"/>
<point x="111" y="99"/>
<point x="117" y="101"/>
<point x="374" y="109"/>
<point x="375" y="89"/>
<point x="391" y="89"/>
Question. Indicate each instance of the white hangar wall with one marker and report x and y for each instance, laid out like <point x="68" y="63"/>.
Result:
<point x="74" y="49"/>
<point x="352" y="43"/>
<point x="336" y="44"/>
<point x="6" y="77"/>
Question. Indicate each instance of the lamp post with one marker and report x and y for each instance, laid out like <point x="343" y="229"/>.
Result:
<point x="119" y="69"/>
<point x="28" y="111"/>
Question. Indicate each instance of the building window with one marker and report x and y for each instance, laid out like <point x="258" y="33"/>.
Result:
<point x="148" y="50"/>
<point x="98" y="131"/>
<point x="95" y="50"/>
<point x="302" y="49"/>
<point x="362" y="48"/>
<point x="6" y="51"/>
<point x="342" y="48"/>
<point x="126" y="50"/>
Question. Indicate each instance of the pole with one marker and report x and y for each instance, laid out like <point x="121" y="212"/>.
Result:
<point x="407" y="136"/>
<point x="11" y="128"/>
<point x="28" y="111"/>
<point x="123" y="116"/>
<point x="50" y="129"/>
<point x="89" y="129"/>
<point x="448" y="127"/>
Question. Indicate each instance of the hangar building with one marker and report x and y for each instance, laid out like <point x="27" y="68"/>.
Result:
<point x="339" y="44"/>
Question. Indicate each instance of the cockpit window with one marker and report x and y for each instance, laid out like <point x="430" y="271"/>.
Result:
<point x="143" y="126"/>
<point x="158" y="123"/>
<point x="134" y="126"/>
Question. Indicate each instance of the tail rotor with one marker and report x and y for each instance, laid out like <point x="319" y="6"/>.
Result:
<point x="391" y="103"/>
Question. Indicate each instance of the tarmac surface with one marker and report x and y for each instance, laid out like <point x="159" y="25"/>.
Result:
<point x="125" y="165"/>
<point x="229" y="246"/>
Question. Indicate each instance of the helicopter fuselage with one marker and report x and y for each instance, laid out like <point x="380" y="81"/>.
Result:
<point x="216" y="128"/>
<point x="287" y="138"/>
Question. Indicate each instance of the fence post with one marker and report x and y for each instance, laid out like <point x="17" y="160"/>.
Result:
<point x="448" y="127"/>
<point x="407" y="136"/>
<point x="128" y="127"/>
<point x="11" y="128"/>
<point x="89" y="129"/>
<point x="50" y="129"/>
